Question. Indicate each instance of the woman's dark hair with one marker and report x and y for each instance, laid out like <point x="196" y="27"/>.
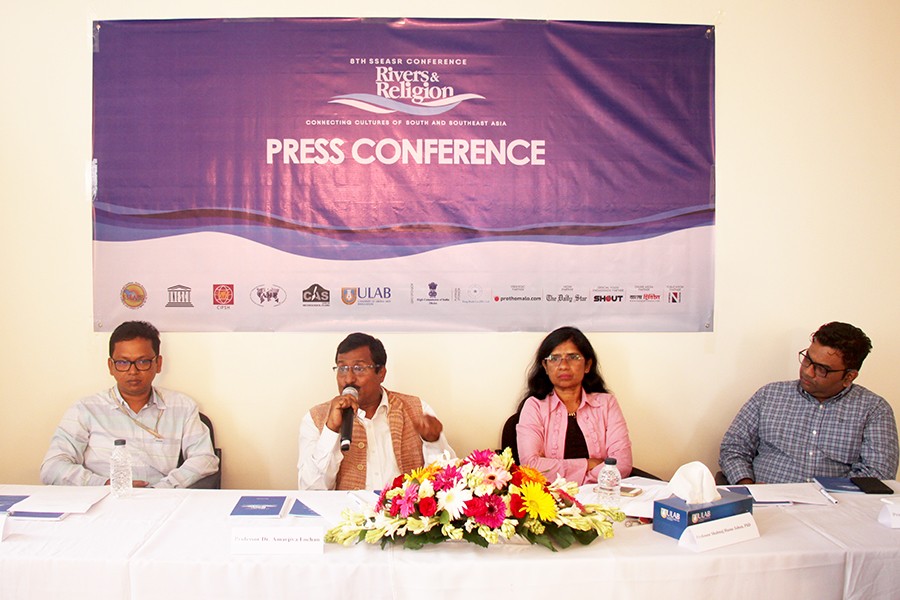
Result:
<point x="539" y="384"/>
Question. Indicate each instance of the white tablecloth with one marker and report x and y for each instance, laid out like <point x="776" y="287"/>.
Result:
<point x="177" y="544"/>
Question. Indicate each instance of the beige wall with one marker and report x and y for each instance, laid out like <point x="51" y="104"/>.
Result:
<point x="808" y="172"/>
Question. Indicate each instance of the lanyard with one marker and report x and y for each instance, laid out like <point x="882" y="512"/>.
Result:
<point x="152" y="431"/>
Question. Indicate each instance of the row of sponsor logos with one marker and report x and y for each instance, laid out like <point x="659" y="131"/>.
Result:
<point x="134" y="295"/>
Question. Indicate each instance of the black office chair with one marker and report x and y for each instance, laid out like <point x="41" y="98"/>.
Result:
<point x="508" y="436"/>
<point x="214" y="480"/>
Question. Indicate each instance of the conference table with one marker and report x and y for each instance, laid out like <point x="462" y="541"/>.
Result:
<point x="178" y="544"/>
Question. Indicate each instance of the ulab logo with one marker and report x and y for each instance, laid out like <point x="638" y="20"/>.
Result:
<point x="669" y="515"/>
<point x="348" y="296"/>
<point x="268" y="295"/>
<point x="422" y="89"/>
<point x="316" y="295"/>
<point x="700" y="516"/>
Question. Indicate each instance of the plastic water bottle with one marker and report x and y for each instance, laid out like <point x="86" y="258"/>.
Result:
<point x="120" y="470"/>
<point x="608" y="483"/>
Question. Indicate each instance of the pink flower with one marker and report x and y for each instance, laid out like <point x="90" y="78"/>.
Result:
<point x="407" y="503"/>
<point x="446" y="478"/>
<point x="487" y="510"/>
<point x="482" y="458"/>
<point x="498" y="477"/>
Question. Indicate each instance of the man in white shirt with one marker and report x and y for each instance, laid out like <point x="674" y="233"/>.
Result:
<point x="392" y="433"/>
<point x="159" y="425"/>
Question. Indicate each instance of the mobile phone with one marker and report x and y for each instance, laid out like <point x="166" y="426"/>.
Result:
<point x="871" y="485"/>
<point x="630" y="492"/>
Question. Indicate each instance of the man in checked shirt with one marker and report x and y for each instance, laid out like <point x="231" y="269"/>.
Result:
<point x="821" y="424"/>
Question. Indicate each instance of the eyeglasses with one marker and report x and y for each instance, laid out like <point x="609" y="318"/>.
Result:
<point x="820" y="369"/>
<point x="556" y="359"/>
<point x="357" y="369"/>
<point x="141" y="364"/>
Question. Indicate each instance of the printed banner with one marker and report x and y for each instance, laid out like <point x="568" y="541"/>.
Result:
<point x="403" y="175"/>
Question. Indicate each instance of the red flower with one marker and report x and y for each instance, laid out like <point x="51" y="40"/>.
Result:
<point x="487" y="510"/>
<point x="570" y="499"/>
<point x="394" y="509"/>
<point x="516" y="477"/>
<point x="427" y="506"/>
<point x="516" y="506"/>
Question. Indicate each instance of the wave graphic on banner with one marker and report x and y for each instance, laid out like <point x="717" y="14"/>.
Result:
<point x="382" y="106"/>
<point x="402" y="239"/>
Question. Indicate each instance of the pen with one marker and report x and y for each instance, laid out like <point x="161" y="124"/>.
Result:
<point x="886" y="501"/>
<point x="828" y="496"/>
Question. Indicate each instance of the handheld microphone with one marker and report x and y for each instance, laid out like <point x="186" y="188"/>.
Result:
<point x="347" y="419"/>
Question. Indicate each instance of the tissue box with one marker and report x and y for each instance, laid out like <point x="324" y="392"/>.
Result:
<point x="672" y="515"/>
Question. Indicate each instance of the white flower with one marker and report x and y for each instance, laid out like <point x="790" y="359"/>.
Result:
<point x="454" y="500"/>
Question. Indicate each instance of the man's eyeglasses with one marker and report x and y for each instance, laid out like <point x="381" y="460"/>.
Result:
<point x="819" y="369"/>
<point x="141" y="364"/>
<point x="357" y="369"/>
<point x="556" y="359"/>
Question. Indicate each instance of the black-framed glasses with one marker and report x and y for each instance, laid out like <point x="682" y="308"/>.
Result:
<point x="357" y="369"/>
<point x="141" y="364"/>
<point x="556" y="359"/>
<point x="819" y="369"/>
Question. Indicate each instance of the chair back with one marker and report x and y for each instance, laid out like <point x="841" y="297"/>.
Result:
<point x="212" y="481"/>
<point x="508" y="437"/>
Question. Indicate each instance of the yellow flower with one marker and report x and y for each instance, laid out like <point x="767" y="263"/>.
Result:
<point x="537" y="503"/>
<point x="420" y="475"/>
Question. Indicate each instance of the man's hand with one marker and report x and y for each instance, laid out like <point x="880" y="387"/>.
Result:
<point x="429" y="428"/>
<point x="335" y="416"/>
<point x="134" y="483"/>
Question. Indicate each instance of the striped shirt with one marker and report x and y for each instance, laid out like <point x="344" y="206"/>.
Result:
<point x="784" y="435"/>
<point x="81" y="446"/>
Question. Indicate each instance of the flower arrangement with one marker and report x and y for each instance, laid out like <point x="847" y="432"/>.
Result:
<point x="483" y="499"/>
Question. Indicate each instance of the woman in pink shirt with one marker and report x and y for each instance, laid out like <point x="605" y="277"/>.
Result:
<point x="570" y="423"/>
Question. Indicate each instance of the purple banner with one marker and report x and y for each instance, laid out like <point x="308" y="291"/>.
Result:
<point x="350" y="139"/>
<point x="309" y="174"/>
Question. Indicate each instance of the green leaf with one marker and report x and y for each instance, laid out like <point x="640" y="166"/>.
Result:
<point x="543" y="540"/>
<point x="561" y="535"/>
<point x="472" y="536"/>
<point x="585" y="537"/>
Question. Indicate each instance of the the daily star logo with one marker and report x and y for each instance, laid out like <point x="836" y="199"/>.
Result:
<point x="422" y="89"/>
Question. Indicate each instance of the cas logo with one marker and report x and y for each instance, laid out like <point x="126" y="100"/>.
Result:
<point x="316" y="295"/>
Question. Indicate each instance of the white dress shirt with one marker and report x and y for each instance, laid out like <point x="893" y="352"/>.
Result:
<point x="321" y="456"/>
